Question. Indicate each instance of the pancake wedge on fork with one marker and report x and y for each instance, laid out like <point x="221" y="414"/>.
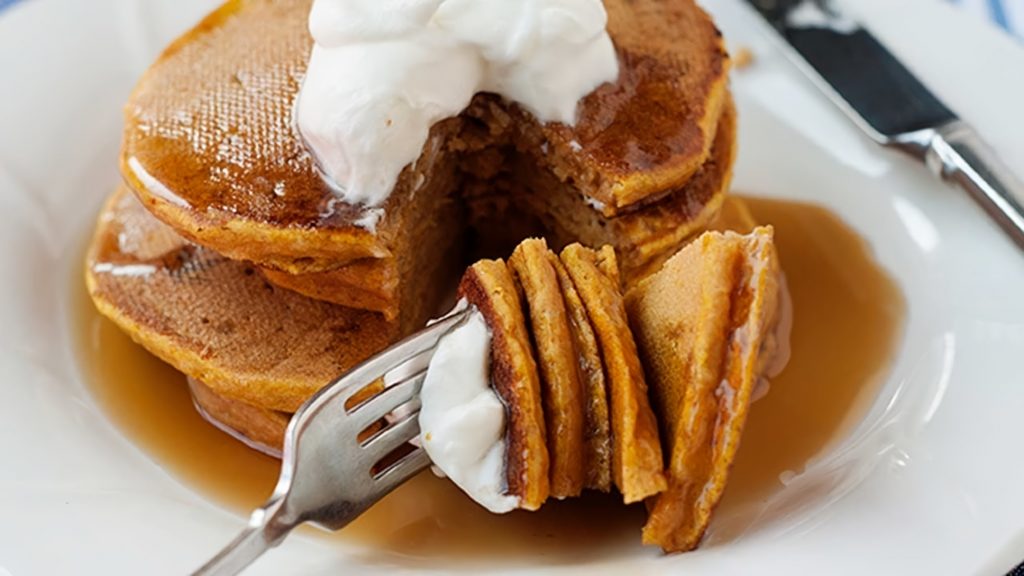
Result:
<point x="706" y="327"/>
<point x="636" y="450"/>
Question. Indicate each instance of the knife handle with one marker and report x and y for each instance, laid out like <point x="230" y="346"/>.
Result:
<point x="957" y="153"/>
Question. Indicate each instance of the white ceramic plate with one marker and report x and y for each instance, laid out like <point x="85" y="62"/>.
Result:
<point x="932" y="482"/>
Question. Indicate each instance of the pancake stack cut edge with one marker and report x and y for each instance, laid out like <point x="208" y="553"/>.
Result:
<point x="706" y="326"/>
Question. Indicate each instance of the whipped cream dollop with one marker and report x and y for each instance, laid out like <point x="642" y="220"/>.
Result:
<point x="462" y="420"/>
<point x="382" y="72"/>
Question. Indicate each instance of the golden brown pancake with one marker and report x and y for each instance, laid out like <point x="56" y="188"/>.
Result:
<point x="367" y="284"/>
<point x="636" y="454"/>
<point x="218" y="320"/>
<point x="262" y="428"/>
<point x="597" y="436"/>
<point x="489" y="285"/>
<point x="705" y="327"/>
<point x="211" y="149"/>
<point x="557" y="358"/>
<point x="734" y="215"/>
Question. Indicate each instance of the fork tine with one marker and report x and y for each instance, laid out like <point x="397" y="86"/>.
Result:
<point x="387" y="400"/>
<point x="397" y="355"/>
<point x="402" y="470"/>
<point x="383" y="442"/>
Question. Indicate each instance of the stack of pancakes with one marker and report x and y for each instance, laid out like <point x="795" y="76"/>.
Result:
<point x="227" y="255"/>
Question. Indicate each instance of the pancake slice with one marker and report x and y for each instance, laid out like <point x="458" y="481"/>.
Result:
<point x="652" y="230"/>
<point x="367" y="284"/>
<point x="734" y="215"/>
<point x="258" y="428"/>
<point x="636" y="450"/>
<point x="597" y="435"/>
<point x="488" y="285"/>
<point x="218" y="320"/>
<point x="261" y="428"/>
<point x="559" y="370"/>
<point x="705" y="325"/>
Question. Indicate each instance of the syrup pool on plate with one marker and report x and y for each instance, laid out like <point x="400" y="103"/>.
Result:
<point x="848" y="317"/>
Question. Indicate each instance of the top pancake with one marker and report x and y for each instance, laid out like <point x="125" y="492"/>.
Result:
<point x="211" y="148"/>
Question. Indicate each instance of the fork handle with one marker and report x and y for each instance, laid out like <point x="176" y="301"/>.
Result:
<point x="265" y="531"/>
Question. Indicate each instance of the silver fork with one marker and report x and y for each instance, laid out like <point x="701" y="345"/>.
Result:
<point x="328" y="475"/>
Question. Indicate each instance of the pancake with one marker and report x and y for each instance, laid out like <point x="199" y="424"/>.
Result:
<point x="258" y="428"/>
<point x="647" y="232"/>
<point x="733" y="215"/>
<point x="705" y="325"/>
<point x="597" y="442"/>
<point x="261" y="428"/>
<point x="636" y="450"/>
<point x="489" y="286"/>
<point x="211" y="149"/>
<point x="218" y="320"/>
<point x="563" y="397"/>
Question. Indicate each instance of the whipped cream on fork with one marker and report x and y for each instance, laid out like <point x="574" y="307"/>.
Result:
<point x="462" y="420"/>
<point x="383" y="72"/>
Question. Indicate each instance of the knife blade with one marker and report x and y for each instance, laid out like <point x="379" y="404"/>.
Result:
<point x="891" y="105"/>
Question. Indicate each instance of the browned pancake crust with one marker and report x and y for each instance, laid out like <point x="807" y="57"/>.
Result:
<point x="489" y="286"/>
<point x="367" y="284"/>
<point x="264" y="427"/>
<point x="636" y="450"/>
<point x="559" y="371"/>
<point x="211" y="148"/>
<point x="218" y="320"/>
<point x="597" y="436"/>
<point x="734" y="215"/>
<point x="260" y="426"/>
<point x="701" y="323"/>
<point x="647" y="233"/>
<point x="650" y="131"/>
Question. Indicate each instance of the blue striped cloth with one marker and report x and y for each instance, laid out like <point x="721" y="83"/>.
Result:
<point x="1007" y="14"/>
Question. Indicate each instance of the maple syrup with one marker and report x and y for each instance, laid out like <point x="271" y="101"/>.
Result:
<point x="848" y="316"/>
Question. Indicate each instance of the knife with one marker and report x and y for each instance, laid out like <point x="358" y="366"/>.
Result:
<point x="892" y="106"/>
